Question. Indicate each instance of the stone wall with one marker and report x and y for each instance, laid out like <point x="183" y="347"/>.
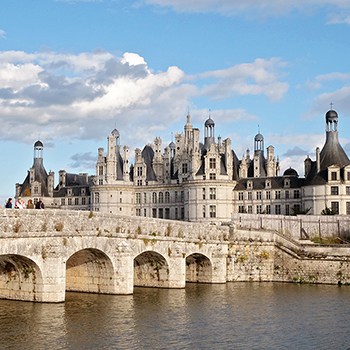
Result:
<point x="266" y="256"/>
<point x="296" y="227"/>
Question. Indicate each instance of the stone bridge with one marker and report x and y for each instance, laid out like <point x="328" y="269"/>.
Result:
<point x="44" y="253"/>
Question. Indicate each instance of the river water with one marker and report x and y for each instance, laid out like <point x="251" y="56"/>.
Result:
<point x="201" y="316"/>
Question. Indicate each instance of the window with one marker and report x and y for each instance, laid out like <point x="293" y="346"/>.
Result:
<point x="154" y="212"/>
<point x="139" y="182"/>
<point x="184" y="168"/>
<point x="182" y="196"/>
<point x="63" y="201"/>
<point x="212" y="163"/>
<point x="241" y="209"/>
<point x="161" y="197"/>
<point x="347" y="190"/>
<point x="212" y="193"/>
<point x="167" y="197"/>
<point x="138" y="212"/>
<point x="347" y="208"/>
<point x="335" y="207"/>
<point x="145" y="197"/>
<point x="296" y="194"/>
<point x="212" y="211"/>
<point x="144" y="212"/>
<point x="97" y="198"/>
<point x="167" y="213"/>
<point x="69" y="201"/>
<point x="240" y="196"/>
<point x="268" y="209"/>
<point x="287" y="209"/>
<point x="76" y="201"/>
<point x="100" y="181"/>
<point x="100" y="170"/>
<point x="138" y="198"/>
<point x="182" y="213"/>
<point x="250" y="209"/>
<point x="277" y="194"/>
<point x="334" y="190"/>
<point x="154" y="197"/>
<point x="334" y="175"/>
<point x="258" y="195"/>
<point x="176" y="213"/>
<point x="160" y="213"/>
<point x="83" y="201"/>
<point x="268" y="195"/>
<point x="348" y="175"/>
<point x="212" y="176"/>
<point x="249" y="196"/>
<point x="176" y="199"/>
<point x="286" y="195"/>
<point x="36" y="189"/>
<point x="277" y="209"/>
<point x="203" y="193"/>
<point x="139" y="171"/>
<point x="258" y="209"/>
<point x="296" y="208"/>
<point x="204" y="211"/>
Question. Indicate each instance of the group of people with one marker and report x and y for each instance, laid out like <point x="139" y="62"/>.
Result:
<point x="20" y="204"/>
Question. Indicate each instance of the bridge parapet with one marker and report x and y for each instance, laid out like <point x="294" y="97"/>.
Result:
<point x="296" y="227"/>
<point x="52" y="222"/>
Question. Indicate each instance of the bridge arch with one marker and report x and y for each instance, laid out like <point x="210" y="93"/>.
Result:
<point x="198" y="268"/>
<point x="151" y="269"/>
<point x="90" y="270"/>
<point x="20" y="278"/>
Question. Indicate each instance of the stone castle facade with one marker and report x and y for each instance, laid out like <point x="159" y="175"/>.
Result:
<point x="198" y="180"/>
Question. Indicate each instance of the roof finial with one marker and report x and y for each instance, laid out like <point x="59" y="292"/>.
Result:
<point x="258" y="129"/>
<point x="331" y="104"/>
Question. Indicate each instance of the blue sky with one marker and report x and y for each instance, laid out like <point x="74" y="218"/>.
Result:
<point x="72" y="71"/>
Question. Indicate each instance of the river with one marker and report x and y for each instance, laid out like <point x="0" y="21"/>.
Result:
<point x="201" y="316"/>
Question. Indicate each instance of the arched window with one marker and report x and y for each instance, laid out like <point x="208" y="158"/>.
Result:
<point x="154" y="197"/>
<point x="161" y="197"/>
<point x="167" y="197"/>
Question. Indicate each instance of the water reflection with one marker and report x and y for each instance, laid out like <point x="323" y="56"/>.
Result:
<point x="202" y="316"/>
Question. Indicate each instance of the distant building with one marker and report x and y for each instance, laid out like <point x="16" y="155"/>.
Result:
<point x="199" y="181"/>
<point x="73" y="190"/>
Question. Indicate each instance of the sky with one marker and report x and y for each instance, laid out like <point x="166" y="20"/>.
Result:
<point x="72" y="71"/>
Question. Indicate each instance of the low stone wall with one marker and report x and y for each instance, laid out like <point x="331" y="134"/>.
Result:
<point x="31" y="222"/>
<point x="296" y="227"/>
<point x="265" y="256"/>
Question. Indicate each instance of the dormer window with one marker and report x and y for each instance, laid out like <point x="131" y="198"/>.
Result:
<point x="250" y="184"/>
<point x="334" y="176"/>
<point x="268" y="184"/>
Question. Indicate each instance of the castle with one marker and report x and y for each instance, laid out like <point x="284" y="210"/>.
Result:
<point x="198" y="181"/>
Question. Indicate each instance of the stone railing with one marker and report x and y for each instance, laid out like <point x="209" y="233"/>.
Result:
<point x="55" y="222"/>
<point x="296" y="227"/>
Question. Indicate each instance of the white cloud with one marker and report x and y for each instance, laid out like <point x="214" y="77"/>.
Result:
<point x="322" y="79"/>
<point x="84" y="96"/>
<point x="2" y="34"/>
<point x="258" y="78"/>
<point x="339" y="18"/>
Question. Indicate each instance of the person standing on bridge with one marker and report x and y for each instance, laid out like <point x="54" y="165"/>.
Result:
<point x="39" y="204"/>
<point x="8" y="203"/>
<point x="19" y="204"/>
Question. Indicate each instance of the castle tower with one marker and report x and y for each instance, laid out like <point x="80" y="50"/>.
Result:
<point x="111" y="166"/>
<point x="258" y="154"/>
<point x="209" y="132"/>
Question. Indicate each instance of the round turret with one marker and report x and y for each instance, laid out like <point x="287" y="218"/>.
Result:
<point x="259" y="137"/>
<point x="115" y="133"/>
<point x="291" y="172"/>
<point x="38" y="144"/>
<point x="331" y="116"/>
<point x="209" y="123"/>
